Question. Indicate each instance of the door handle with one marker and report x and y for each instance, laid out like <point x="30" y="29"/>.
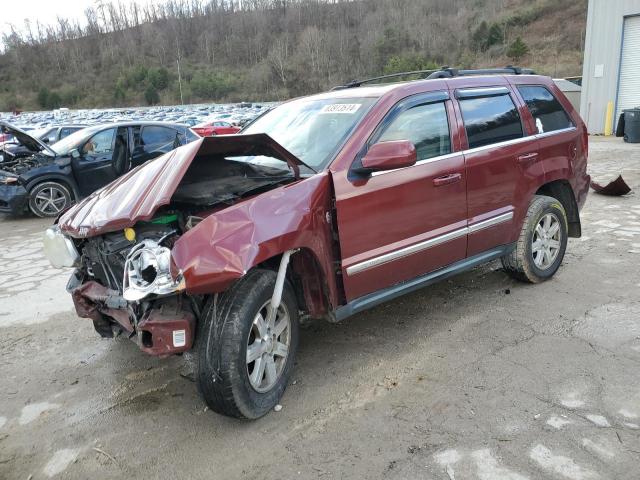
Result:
<point x="447" y="179"/>
<point x="527" y="156"/>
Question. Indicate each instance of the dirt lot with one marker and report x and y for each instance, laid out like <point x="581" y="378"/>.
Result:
<point x="477" y="377"/>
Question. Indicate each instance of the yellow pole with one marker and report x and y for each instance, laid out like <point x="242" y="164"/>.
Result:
<point x="608" y="122"/>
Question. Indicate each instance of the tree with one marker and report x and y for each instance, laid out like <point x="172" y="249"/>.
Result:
<point x="119" y="95"/>
<point x="43" y="97"/>
<point x="495" y="36"/>
<point x="517" y="50"/>
<point x="151" y="95"/>
<point x="480" y="36"/>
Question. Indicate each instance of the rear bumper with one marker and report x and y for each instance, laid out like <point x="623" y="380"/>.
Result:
<point x="165" y="329"/>
<point x="13" y="199"/>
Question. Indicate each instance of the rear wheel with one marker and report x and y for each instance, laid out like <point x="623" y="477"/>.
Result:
<point x="48" y="199"/>
<point x="542" y="242"/>
<point x="245" y="349"/>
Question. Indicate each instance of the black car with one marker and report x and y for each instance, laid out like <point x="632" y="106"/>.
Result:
<point x="52" y="177"/>
<point x="47" y="135"/>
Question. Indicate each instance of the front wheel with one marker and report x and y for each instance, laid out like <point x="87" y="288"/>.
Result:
<point x="48" y="199"/>
<point x="245" y="349"/>
<point x="542" y="242"/>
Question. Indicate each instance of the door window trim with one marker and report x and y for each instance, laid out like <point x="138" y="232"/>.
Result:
<point x="488" y="92"/>
<point x="417" y="100"/>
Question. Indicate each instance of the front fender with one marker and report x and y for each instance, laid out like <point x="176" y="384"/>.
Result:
<point x="227" y="244"/>
<point x="49" y="173"/>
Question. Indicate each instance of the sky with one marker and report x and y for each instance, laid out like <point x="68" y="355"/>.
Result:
<point x="45" y="11"/>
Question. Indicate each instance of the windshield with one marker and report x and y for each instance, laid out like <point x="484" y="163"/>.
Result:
<point x="75" y="140"/>
<point x="313" y="130"/>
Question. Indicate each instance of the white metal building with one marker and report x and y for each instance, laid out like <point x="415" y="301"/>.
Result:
<point x="611" y="70"/>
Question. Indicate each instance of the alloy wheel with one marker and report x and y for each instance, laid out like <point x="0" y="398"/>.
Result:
<point x="546" y="241"/>
<point x="268" y="346"/>
<point x="50" y="200"/>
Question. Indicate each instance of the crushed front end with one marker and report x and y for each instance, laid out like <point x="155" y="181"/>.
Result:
<point x="123" y="282"/>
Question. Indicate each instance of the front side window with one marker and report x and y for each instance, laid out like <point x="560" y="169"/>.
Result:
<point x="490" y="119"/>
<point x="426" y="126"/>
<point x="100" y="143"/>
<point x="545" y="109"/>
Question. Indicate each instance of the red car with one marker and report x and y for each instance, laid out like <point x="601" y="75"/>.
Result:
<point x="327" y="206"/>
<point x="218" y="127"/>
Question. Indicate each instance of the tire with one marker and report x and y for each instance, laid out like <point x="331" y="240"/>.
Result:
<point x="228" y="331"/>
<point x="49" y="199"/>
<point x="539" y="253"/>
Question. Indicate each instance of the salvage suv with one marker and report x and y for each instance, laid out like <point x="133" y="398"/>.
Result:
<point x="322" y="208"/>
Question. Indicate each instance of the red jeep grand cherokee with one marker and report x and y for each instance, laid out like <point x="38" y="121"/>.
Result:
<point x="325" y="206"/>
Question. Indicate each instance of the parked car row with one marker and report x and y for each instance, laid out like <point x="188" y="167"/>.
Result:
<point x="189" y="115"/>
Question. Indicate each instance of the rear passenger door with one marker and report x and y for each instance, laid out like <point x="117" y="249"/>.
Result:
<point x="501" y="161"/>
<point x="558" y="138"/>
<point x="398" y="224"/>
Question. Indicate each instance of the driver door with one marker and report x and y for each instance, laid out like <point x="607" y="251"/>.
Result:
<point x="96" y="165"/>
<point x="398" y="224"/>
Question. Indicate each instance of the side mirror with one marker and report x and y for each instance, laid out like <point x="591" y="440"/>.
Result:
<point x="389" y="156"/>
<point x="45" y="140"/>
<point x="74" y="153"/>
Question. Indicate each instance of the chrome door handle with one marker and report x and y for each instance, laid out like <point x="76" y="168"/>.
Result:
<point x="527" y="156"/>
<point x="447" y="179"/>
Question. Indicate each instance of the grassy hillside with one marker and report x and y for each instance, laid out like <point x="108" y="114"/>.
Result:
<point x="123" y="54"/>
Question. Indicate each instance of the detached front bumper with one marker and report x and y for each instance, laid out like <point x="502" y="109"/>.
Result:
<point x="13" y="199"/>
<point x="167" y="328"/>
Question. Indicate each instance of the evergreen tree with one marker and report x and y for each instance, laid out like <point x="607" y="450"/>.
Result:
<point x="517" y="50"/>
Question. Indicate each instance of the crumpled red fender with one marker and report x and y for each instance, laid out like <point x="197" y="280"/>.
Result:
<point x="227" y="244"/>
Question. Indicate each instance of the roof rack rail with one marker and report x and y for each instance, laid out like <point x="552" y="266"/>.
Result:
<point x="444" y="72"/>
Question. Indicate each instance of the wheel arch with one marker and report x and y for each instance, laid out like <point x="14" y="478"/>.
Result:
<point x="561" y="190"/>
<point x="65" y="181"/>
<point x="308" y="279"/>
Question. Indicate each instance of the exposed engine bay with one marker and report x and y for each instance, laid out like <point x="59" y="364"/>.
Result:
<point x="22" y="163"/>
<point x="124" y="280"/>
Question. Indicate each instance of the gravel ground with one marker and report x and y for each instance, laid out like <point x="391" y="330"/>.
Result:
<point x="477" y="377"/>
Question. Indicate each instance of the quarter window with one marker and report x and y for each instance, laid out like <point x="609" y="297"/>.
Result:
<point x="489" y="120"/>
<point x="545" y="109"/>
<point x="425" y="126"/>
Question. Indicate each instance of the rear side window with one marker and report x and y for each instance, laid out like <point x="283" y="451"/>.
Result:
<point x="426" y="126"/>
<point x="156" y="138"/>
<point x="489" y="120"/>
<point x="545" y="109"/>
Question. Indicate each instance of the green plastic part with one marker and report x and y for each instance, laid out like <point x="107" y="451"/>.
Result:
<point x="165" y="219"/>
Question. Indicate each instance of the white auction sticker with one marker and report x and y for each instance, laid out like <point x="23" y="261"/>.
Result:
<point x="179" y="338"/>
<point x="341" y="108"/>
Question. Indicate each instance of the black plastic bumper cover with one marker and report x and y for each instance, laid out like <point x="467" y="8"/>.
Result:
<point x="13" y="199"/>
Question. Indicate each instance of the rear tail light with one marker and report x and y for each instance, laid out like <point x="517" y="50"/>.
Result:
<point x="585" y="140"/>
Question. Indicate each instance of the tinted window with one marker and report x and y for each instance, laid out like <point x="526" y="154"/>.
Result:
<point x="426" y="126"/>
<point x="545" y="109"/>
<point x="490" y="120"/>
<point x="156" y="138"/>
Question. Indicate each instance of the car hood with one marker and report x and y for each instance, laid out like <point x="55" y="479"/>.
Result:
<point x="137" y="195"/>
<point x="31" y="143"/>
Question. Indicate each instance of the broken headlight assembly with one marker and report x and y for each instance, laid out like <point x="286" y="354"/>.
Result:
<point x="147" y="271"/>
<point x="59" y="249"/>
<point x="9" y="180"/>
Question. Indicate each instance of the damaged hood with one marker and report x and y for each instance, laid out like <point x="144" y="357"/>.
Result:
<point x="31" y="143"/>
<point x="137" y="195"/>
